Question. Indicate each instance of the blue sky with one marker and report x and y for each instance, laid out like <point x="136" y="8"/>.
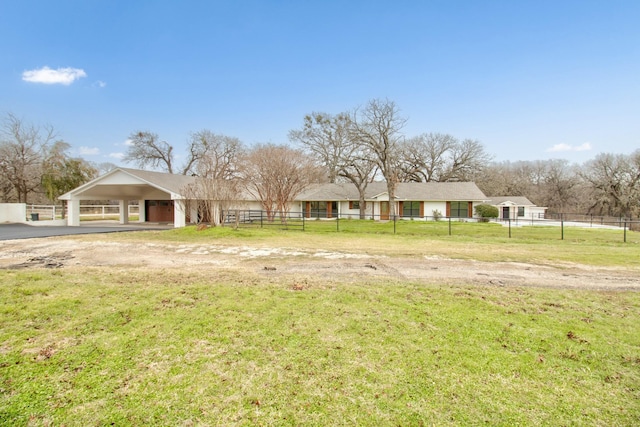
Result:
<point x="529" y="79"/>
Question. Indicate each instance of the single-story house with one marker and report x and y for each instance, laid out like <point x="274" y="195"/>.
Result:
<point x="417" y="200"/>
<point x="516" y="207"/>
<point x="161" y="198"/>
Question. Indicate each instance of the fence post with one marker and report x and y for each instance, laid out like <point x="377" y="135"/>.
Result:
<point x="338" y="222"/>
<point x="394" y="223"/>
<point x="625" y="231"/>
<point x="509" y="227"/>
<point x="561" y="226"/>
<point x="303" y="219"/>
<point x="261" y="219"/>
<point x="449" y="226"/>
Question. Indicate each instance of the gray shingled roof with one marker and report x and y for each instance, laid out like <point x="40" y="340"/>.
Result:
<point x="166" y="181"/>
<point x="518" y="200"/>
<point x="437" y="191"/>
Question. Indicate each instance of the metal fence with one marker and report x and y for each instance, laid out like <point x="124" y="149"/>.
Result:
<point x="427" y="225"/>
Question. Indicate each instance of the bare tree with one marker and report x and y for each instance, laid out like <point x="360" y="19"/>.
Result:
<point x="560" y="186"/>
<point x="146" y="150"/>
<point x="208" y="154"/>
<point x="328" y="138"/>
<point x="214" y="156"/>
<point x="332" y="140"/>
<point x="468" y="158"/>
<point x="209" y="198"/>
<point x="426" y="157"/>
<point x="276" y="174"/>
<point x="552" y="183"/>
<point x="22" y="150"/>
<point x="378" y="127"/>
<point x="614" y="180"/>
<point x="215" y="160"/>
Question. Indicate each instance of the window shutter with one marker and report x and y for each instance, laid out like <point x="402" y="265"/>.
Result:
<point x="422" y="209"/>
<point x="470" y="209"/>
<point x="448" y="213"/>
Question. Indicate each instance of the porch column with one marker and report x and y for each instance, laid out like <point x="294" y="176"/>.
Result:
<point x="73" y="213"/>
<point x="193" y="214"/>
<point x="179" y="217"/>
<point x="124" y="211"/>
<point x="142" y="214"/>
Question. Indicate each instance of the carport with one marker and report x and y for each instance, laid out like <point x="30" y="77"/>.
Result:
<point x="159" y="195"/>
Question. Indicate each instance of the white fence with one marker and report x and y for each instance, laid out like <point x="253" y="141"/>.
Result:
<point x="47" y="212"/>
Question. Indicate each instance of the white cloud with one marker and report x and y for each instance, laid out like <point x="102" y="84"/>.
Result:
<point x="566" y="147"/>
<point x="118" y="156"/>
<point x="584" y="147"/>
<point x="128" y="142"/>
<point x="46" y="75"/>
<point x="89" y="151"/>
<point x="99" y="83"/>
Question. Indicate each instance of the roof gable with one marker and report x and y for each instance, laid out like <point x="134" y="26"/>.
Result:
<point x="124" y="183"/>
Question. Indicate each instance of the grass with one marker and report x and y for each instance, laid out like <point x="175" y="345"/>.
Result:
<point x="484" y="241"/>
<point x="128" y="346"/>
<point x="96" y="347"/>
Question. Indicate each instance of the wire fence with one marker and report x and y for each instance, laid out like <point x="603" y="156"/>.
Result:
<point x="614" y="229"/>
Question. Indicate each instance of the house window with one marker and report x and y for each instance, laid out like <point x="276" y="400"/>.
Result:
<point x="322" y="209"/>
<point x="459" y="210"/>
<point x="410" y="209"/>
<point x="354" y="205"/>
<point x="520" y="210"/>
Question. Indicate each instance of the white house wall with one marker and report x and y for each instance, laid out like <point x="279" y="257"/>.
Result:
<point x="430" y="207"/>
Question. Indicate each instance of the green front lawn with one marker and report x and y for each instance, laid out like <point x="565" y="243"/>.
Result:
<point x="133" y="347"/>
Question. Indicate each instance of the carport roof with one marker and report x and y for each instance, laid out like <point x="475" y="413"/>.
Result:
<point x="124" y="183"/>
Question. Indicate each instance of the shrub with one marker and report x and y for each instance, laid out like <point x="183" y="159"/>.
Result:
<point x="437" y="215"/>
<point x="486" y="211"/>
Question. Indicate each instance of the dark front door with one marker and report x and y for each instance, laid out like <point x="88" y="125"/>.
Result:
<point x="160" y="210"/>
<point x="505" y="212"/>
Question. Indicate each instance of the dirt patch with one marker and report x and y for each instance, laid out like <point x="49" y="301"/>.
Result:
<point x="278" y="261"/>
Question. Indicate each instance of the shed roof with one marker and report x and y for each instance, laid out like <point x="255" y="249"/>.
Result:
<point x="517" y="200"/>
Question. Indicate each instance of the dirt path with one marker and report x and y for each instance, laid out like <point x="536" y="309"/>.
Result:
<point x="274" y="261"/>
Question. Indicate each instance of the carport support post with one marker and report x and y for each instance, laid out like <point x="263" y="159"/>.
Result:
<point x="179" y="214"/>
<point x="142" y="214"/>
<point x="73" y="213"/>
<point x="124" y="211"/>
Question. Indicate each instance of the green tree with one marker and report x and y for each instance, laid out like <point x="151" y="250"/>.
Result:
<point x="62" y="173"/>
<point x="486" y="211"/>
